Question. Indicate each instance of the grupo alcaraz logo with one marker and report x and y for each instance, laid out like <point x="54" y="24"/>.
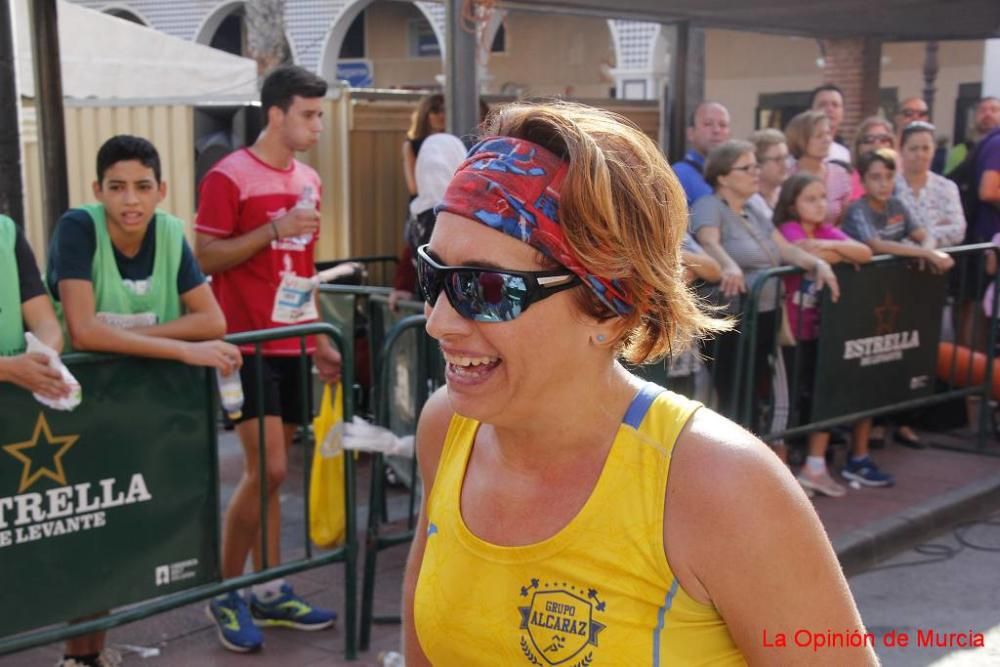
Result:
<point x="559" y="624"/>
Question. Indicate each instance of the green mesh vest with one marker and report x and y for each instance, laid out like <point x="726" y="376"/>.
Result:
<point x="125" y="303"/>
<point x="11" y="321"/>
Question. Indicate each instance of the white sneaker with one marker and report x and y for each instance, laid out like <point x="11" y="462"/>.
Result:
<point x="821" y="483"/>
<point x="109" y="657"/>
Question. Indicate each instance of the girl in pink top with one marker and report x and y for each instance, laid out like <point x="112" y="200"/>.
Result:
<point x="800" y="216"/>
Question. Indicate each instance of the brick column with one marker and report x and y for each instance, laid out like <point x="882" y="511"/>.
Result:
<point x="854" y="64"/>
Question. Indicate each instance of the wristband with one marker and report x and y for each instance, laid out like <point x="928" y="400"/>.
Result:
<point x="274" y="228"/>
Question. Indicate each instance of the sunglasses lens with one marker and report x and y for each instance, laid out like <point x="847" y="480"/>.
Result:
<point x="487" y="296"/>
<point x="429" y="279"/>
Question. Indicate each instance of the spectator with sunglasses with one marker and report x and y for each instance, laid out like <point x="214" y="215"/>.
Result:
<point x="873" y="133"/>
<point x="549" y="470"/>
<point x="910" y="110"/>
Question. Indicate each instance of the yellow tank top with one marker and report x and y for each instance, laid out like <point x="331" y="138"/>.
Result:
<point x="599" y="592"/>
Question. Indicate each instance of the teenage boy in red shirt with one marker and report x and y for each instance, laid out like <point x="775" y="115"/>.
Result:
<point x="256" y="232"/>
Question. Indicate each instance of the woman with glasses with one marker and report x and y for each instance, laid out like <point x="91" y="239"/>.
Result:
<point x="771" y="150"/>
<point x="911" y="110"/>
<point x="873" y="133"/>
<point x="772" y="156"/>
<point x="746" y="244"/>
<point x="572" y="514"/>
<point x="809" y="140"/>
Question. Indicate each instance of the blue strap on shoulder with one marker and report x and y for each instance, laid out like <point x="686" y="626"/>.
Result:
<point x="639" y="406"/>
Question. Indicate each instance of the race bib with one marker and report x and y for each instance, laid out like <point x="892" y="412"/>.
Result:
<point x="119" y="321"/>
<point x="294" y="301"/>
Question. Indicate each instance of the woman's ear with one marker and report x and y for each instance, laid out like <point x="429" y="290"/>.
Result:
<point x="607" y="333"/>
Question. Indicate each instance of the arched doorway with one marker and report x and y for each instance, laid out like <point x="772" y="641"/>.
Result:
<point x="225" y="28"/>
<point x="385" y="43"/>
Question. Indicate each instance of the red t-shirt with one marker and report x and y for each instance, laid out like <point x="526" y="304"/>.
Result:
<point x="238" y="195"/>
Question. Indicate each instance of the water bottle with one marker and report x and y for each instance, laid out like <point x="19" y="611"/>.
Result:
<point x="231" y="393"/>
<point x="307" y="200"/>
<point x="392" y="659"/>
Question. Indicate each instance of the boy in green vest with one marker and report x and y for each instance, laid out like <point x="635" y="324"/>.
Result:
<point x="24" y="306"/>
<point x="127" y="282"/>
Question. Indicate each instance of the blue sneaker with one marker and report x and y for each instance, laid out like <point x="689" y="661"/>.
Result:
<point x="290" y="611"/>
<point x="237" y="631"/>
<point x="865" y="472"/>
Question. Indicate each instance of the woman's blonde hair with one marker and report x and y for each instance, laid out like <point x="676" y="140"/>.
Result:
<point x="800" y="130"/>
<point x="624" y="214"/>
<point x="764" y="139"/>
<point x="420" y="124"/>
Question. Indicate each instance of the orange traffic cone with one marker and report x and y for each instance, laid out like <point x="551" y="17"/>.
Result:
<point x="969" y="367"/>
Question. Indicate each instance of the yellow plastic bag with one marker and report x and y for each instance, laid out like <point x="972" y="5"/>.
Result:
<point x="326" y="483"/>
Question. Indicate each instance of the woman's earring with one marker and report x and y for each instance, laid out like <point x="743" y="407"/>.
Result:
<point x="600" y="338"/>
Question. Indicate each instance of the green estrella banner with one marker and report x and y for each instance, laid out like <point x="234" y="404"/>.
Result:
<point x="878" y="344"/>
<point x="112" y="503"/>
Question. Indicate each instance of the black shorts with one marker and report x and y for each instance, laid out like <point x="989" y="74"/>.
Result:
<point x="282" y="389"/>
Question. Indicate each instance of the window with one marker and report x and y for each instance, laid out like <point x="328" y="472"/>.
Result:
<point x="353" y="45"/>
<point x="423" y="41"/>
<point x="499" y="44"/>
<point x="230" y="36"/>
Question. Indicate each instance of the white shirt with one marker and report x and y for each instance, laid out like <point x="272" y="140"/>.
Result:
<point x="439" y="157"/>
<point x="839" y="152"/>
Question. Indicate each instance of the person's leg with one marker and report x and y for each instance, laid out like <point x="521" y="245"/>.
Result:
<point x="241" y="522"/>
<point x="859" y="467"/>
<point x="722" y="365"/>
<point x="274" y="602"/>
<point x="859" y="443"/>
<point x="814" y="474"/>
<point x="89" y="645"/>
<point x="779" y="416"/>
<point x="241" y="527"/>
<point x="762" y="396"/>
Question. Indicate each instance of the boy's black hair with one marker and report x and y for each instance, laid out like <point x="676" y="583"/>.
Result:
<point x="819" y="89"/>
<point x="124" y="147"/>
<point x="284" y="83"/>
<point x="886" y="156"/>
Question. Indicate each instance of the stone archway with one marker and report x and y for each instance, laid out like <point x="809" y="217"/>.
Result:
<point x="330" y="52"/>
<point x="126" y="13"/>
<point x="640" y="58"/>
<point x="210" y="24"/>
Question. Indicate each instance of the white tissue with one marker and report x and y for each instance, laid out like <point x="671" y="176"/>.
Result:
<point x="359" y="435"/>
<point x="76" y="393"/>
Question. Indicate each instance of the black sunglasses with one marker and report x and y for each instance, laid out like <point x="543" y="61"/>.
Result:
<point x="488" y="295"/>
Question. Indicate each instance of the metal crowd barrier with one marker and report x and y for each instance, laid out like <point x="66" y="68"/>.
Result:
<point x="408" y="369"/>
<point x="970" y="262"/>
<point x="346" y="553"/>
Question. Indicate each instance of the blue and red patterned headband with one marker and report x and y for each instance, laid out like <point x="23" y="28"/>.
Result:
<point x="512" y="186"/>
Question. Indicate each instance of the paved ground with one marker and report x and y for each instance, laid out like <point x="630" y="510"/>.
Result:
<point x="866" y="525"/>
<point x="950" y="588"/>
